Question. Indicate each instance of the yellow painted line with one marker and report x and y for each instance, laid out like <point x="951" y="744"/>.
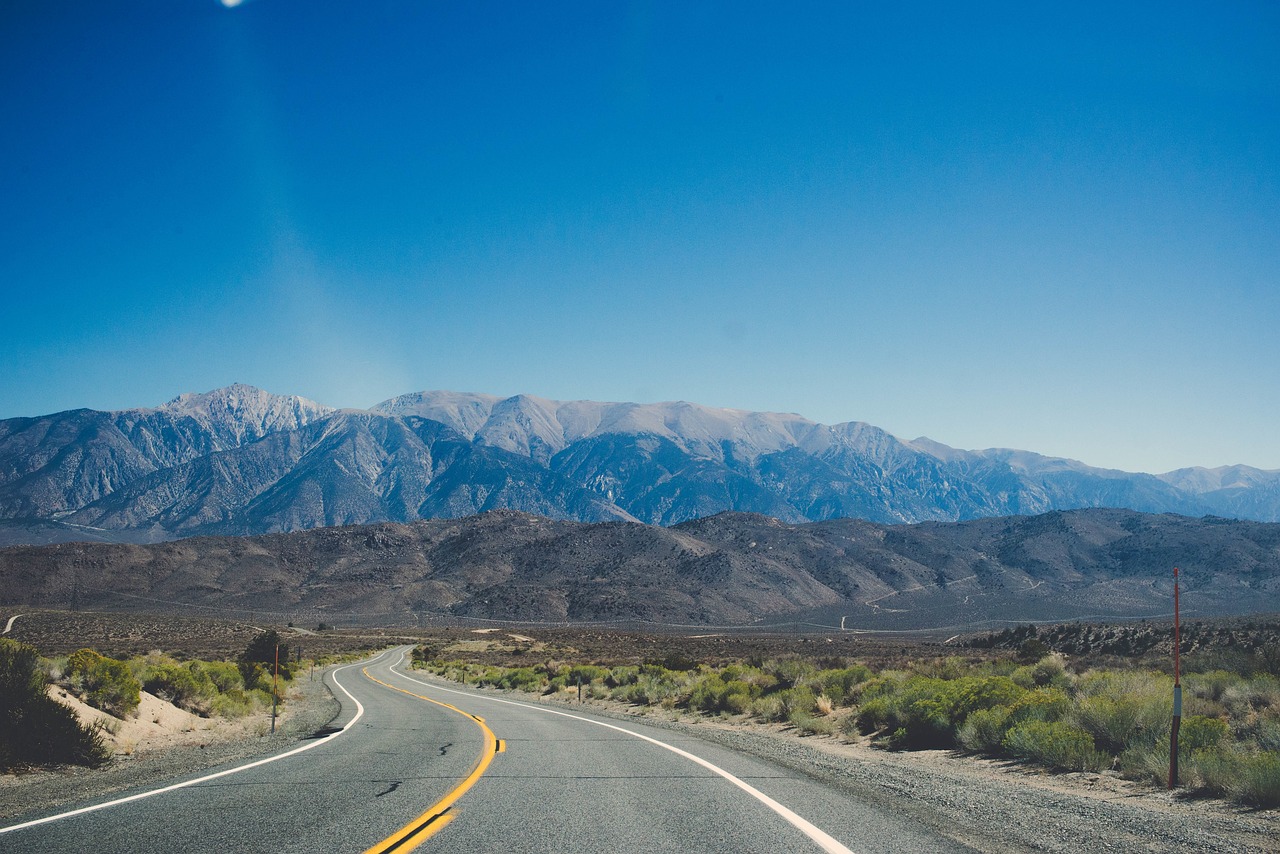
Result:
<point x="429" y="823"/>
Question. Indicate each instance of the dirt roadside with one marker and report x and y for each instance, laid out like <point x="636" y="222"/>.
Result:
<point x="986" y="804"/>
<point x="162" y="743"/>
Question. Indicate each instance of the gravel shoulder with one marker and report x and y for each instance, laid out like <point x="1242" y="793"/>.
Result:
<point x="990" y="805"/>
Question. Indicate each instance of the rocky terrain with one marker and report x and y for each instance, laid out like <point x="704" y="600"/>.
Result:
<point x="732" y="569"/>
<point x="240" y="460"/>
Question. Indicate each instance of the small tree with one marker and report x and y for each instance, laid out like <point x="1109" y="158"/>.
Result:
<point x="36" y="729"/>
<point x="258" y="661"/>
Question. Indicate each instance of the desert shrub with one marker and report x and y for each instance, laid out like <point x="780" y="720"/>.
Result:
<point x="1245" y="777"/>
<point x="713" y="693"/>
<point x="1122" y="709"/>
<point x="840" y="685"/>
<point x="780" y="706"/>
<point x="794" y="700"/>
<point x="1042" y="704"/>
<point x="1209" y="686"/>
<point x="983" y="731"/>
<point x="1265" y="731"/>
<point x="1148" y="762"/>
<point x="789" y="672"/>
<point x="104" y="683"/>
<point x="812" y="724"/>
<point x="585" y="673"/>
<point x="768" y="708"/>
<point x="235" y="703"/>
<point x="623" y="675"/>
<point x="706" y="694"/>
<point x="1198" y="732"/>
<point x="1055" y="744"/>
<point x="677" y="661"/>
<point x="927" y="712"/>
<point x="951" y="667"/>
<point x="651" y="688"/>
<point x="35" y="729"/>
<point x="1050" y="671"/>
<point x="187" y="686"/>
<point x="1257" y="781"/>
<point x="224" y="675"/>
<point x="1252" y="695"/>
<point x="515" y="678"/>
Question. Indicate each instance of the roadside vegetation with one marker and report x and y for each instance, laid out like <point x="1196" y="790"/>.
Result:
<point x="36" y="730"/>
<point x="1029" y="707"/>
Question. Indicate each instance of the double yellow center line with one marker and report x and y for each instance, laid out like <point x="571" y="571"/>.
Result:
<point x="426" y="825"/>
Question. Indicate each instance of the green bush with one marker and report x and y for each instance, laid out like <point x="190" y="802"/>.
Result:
<point x="789" y="672"/>
<point x="1245" y="777"/>
<point x="624" y="675"/>
<point x="841" y="685"/>
<point x="651" y="688"/>
<point x="1199" y="733"/>
<point x="187" y="685"/>
<point x="35" y="729"/>
<point x="1265" y="730"/>
<point x="585" y="673"/>
<point x="712" y="693"/>
<point x="923" y="711"/>
<point x="812" y="724"/>
<point x="1124" y="709"/>
<point x="235" y="703"/>
<point x="224" y="675"/>
<point x="1055" y="744"/>
<point x="1050" y="671"/>
<point x="1257" y="781"/>
<point x="104" y="683"/>
<point x="984" y="730"/>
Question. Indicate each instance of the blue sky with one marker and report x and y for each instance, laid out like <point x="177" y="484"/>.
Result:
<point x="1050" y="228"/>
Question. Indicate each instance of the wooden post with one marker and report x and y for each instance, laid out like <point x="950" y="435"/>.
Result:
<point x="1177" y="687"/>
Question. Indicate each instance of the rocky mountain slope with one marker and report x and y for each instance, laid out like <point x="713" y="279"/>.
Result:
<point x="732" y="568"/>
<point x="242" y="461"/>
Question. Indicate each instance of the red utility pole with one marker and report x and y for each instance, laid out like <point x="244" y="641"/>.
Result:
<point x="275" y="688"/>
<point x="1177" y="687"/>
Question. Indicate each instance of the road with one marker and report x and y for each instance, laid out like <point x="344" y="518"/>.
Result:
<point x="454" y="770"/>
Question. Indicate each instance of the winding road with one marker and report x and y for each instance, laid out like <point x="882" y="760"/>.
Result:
<point x="414" y="764"/>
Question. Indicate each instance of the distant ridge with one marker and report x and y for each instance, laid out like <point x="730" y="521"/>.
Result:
<point x="725" y="570"/>
<point x="241" y="460"/>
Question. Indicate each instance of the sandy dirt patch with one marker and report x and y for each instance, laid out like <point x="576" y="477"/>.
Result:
<point x="157" y="725"/>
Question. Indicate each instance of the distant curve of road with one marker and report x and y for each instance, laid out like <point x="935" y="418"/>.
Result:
<point x="422" y="766"/>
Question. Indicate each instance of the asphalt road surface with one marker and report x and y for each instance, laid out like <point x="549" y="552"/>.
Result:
<point x="420" y="765"/>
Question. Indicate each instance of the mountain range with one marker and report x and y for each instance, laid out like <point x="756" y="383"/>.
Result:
<point x="242" y="461"/>
<point x="727" y="569"/>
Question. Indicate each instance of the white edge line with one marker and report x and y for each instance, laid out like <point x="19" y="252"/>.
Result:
<point x="825" y="841"/>
<point x="147" y="794"/>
